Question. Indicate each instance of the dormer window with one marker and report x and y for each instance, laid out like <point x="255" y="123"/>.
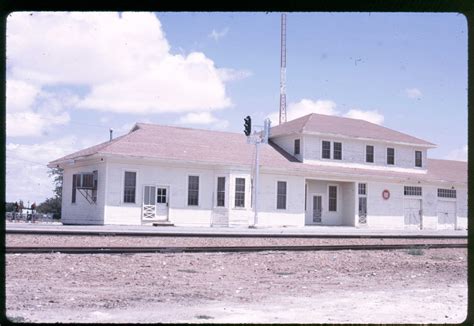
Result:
<point x="337" y="151"/>
<point x="390" y="156"/>
<point x="297" y="146"/>
<point x="369" y="154"/>
<point x="418" y="160"/>
<point x="326" y="149"/>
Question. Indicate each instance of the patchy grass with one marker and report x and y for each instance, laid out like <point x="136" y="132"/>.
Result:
<point x="416" y="252"/>
<point x="204" y="317"/>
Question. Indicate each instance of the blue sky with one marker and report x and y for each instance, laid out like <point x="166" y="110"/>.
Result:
<point x="72" y="77"/>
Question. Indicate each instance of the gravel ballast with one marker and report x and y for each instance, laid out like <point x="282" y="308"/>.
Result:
<point x="398" y="286"/>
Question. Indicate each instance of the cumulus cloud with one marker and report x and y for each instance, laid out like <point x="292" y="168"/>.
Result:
<point x="26" y="124"/>
<point x="413" y="93"/>
<point x="216" y="35"/>
<point x="304" y="107"/>
<point x="459" y="154"/>
<point x="26" y="171"/>
<point x="203" y="118"/>
<point x="371" y="116"/>
<point x="326" y="107"/>
<point x="125" y="61"/>
<point x="228" y="74"/>
<point x="20" y="95"/>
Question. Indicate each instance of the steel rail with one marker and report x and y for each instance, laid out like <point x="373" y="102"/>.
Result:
<point x="232" y="235"/>
<point x="136" y="250"/>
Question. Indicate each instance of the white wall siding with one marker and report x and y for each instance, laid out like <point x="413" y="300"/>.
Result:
<point x="176" y="178"/>
<point x="354" y="151"/>
<point x="385" y="213"/>
<point x="461" y="207"/>
<point x="82" y="212"/>
<point x="287" y="143"/>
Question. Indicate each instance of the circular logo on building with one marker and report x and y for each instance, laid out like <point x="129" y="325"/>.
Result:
<point x="386" y="194"/>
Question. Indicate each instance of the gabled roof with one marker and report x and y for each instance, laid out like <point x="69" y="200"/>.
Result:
<point x="227" y="148"/>
<point x="340" y="126"/>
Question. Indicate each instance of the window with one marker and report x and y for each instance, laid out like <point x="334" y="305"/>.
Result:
<point x="369" y="154"/>
<point x="129" y="186"/>
<point x="332" y="198"/>
<point x="281" y="195"/>
<point x="76" y="182"/>
<point x="297" y="146"/>
<point x="391" y="156"/>
<point x="193" y="190"/>
<point x="239" y="192"/>
<point x="326" y="149"/>
<point x="418" y="158"/>
<point x="161" y="195"/>
<point x="362" y="189"/>
<point x="221" y="191"/>
<point x="447" y="193"/>
<point x="412" y="191"/>
<point x="337" y="151"/>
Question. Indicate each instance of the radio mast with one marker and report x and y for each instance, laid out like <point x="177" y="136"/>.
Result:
<point x="283" y="71"/>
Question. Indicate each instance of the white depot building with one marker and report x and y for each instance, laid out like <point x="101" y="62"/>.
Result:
<point x="315" y="170"/>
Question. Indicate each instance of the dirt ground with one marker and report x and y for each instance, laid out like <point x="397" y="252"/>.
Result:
<point x="402" y="286"/>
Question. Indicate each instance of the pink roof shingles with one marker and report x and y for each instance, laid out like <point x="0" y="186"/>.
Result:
<point x="327" y="124"/>
<point x="226" y="148"/>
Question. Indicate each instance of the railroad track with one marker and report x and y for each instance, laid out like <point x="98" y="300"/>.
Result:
<point x="233" y="235"/>
<point x="136" y="250"/>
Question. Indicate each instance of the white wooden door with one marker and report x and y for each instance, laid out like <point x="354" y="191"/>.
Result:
<point x="446" y="214"/>
<point x="162" y="202"/>
<point x="412" y="209"/>
<point x="317" y="208"/>
<point x="149" y="203"/>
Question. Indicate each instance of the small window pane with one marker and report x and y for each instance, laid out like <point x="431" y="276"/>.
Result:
<point x="239" y="192"/>
<point x="369" y="154"/>
<point x="332" y="198"/>
<point x="362" y="189"/>
<point x="326" y="149"/>
<point x="447" y="193"/>
<point x="337" y="151"/>
<point x="390" y="156"/>
<point x="129" y="187"/>
<point x="193" y="190"/>
<point x="418" y="162"/>
<point x="281" y="195"/>
<point x="412" y="191"/>
<point x="297" y="146"/>
<point x="221" y="191"/>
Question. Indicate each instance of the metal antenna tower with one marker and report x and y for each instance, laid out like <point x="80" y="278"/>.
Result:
<point x="283" y="71"/>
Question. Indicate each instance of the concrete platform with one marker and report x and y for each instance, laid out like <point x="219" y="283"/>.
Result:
<point x="307" y="231"/>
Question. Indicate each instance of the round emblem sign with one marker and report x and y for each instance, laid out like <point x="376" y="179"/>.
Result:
<point x="386" y="194"/>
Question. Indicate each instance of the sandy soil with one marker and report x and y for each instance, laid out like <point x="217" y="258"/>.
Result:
<point x="428" y="286"/>
<point x="28" y="240"/>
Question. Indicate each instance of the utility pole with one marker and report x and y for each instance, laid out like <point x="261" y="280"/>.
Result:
<point x="256" y="139"/>
<point x="283" y="70"/>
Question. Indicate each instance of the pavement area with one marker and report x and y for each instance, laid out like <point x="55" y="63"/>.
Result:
<point x="228" y="231"/>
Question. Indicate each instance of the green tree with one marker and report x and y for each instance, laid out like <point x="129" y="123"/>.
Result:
<point x="53" y="204"/>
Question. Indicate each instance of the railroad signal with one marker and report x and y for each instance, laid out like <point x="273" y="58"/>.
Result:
<point x="247" y="126"/>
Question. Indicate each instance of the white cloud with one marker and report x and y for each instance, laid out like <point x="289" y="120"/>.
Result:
<point x="20" y="95"/>
<point x="371" y="116"/>
<point x="413" y="93"/>
<point x="459" y="154"/>
<point x="228" y="74"/>
<point x="26" y="171"/>
<point x="304" y="107"/>
<point x="203" y="118"/>
<point x="24" y="124"/>
<point x="326" y="107"/>
<point x="216" y="35"/>
<point x="124" y="60"/>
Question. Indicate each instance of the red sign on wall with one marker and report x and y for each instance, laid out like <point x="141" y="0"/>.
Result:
<point x="386" y="194"/>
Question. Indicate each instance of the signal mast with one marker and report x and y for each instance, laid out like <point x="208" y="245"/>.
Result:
<point x="283" y="71"/>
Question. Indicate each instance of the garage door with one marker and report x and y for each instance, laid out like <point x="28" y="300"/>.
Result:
<point x="446" y="214"/>
<point x="412" y="210"/>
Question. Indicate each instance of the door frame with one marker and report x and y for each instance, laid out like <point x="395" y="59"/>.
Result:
<point x="420" y="200"/>
<point x="168" y="197"/>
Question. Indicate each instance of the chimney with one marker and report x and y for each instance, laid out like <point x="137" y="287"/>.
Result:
<point x="111" y="133"/>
